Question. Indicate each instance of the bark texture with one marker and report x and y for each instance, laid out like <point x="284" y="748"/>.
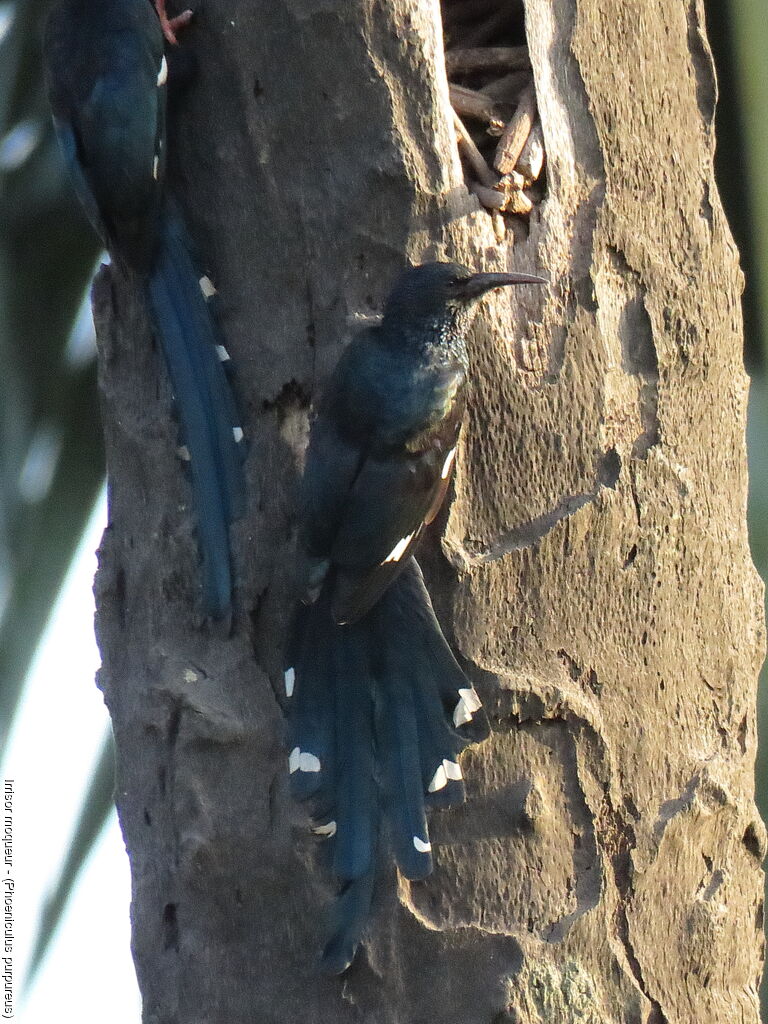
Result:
<point x="593" y="572"/>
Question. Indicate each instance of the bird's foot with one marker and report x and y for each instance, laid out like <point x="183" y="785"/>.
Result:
<point x="171" y="26"/>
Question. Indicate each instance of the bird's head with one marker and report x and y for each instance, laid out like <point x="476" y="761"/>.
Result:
<point x="433" y="293"/>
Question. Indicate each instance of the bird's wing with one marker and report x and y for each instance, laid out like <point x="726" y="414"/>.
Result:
<point x="333" y="462"/>
<point x="108" y="103"/>
<point x="396" y="492"/>
<point x="69" y="148"/>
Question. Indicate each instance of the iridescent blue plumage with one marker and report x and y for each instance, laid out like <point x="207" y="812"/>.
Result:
<point x="107" y="73"/>
<point x="367" y="644"/>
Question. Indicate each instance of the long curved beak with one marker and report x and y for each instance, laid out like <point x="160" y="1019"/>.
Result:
<point x="478" y="284"/>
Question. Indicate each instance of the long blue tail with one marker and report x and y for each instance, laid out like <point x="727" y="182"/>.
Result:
<point x="193" y="350"/>
<point x="378" y="714"/>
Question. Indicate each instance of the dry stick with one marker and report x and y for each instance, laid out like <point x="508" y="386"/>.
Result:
<point x="512" y="182"/>
<point x="519" y="202"/>
<point x="514" y="201"/>
<point x="470" y="103"/>
<point x="506" y="202"/>
<point x="507" y="88"/>
<point x="486" y="58"/>
<point x="472" y="154"/>
<point x="516" y="133"/>
<point x="531" y="159"/>
<point x="489" y="197"/>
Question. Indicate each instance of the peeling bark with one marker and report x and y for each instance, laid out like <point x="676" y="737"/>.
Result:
<point x="593" y="570"/>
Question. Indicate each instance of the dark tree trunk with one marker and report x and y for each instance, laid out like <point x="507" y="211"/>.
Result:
<point x="593" y="573"/>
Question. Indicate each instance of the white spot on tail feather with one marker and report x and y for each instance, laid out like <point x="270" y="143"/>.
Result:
<point x="162" y="75"/>
<point x="222" y="353"/>
<point x="308" y="762"/>
<point x="471" y="699"/>
<point x="289" y="677"/>
<point x="155" y="166"/>
<point x="299" y="760"/>
<point x="237" y="433"/>
<point x="447" y="771"/>
<point x="421" y="845"/>
<point x="461" y="714"/>
<point x="302" y="761"/>
<point x="448" y="463"/>
<point x="468" y="704"/>
<point x="398" y="550"/>
<point x="327" y="830"/>
<point x="439" y="780"/>
<point x="207" y="287"/>
<point x="183" y="452"/>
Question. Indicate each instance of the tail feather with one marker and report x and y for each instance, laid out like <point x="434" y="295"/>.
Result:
<point x="440" y="746"/>
<point x="348" y="920"/>
<point x="329" y="693"/>
<point x="397" y="742"/>
<point x="440" y="743"/>
<point x="215" y="390"/>
<point x="462" y="706"/>
<point x="308" y="679"/>
<point x="189" y="339"/>
<point x="386" y="704"/>
<point x="356" y="803"/>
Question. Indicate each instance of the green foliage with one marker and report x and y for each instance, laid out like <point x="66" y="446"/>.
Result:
<point x="748" y="27"/>
<point x="51" y="452"/>
<point x="757" y="446"/>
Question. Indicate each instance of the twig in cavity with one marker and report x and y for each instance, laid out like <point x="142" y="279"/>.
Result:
<point x="490" y="198"/>
<point x="472" y="154"/>
<point x="531" y="159"/>
<point x="519" y="202"/>
<point x="516" y="133"/>
<point x="512" y="182"/>
<point x="485" y="58"/>
<point x="507" y="88"/>
<point x="505" y="202"/>
<point x="470" y="103"/>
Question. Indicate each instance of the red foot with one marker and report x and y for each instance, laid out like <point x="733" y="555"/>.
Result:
<point x="171" y="25"/>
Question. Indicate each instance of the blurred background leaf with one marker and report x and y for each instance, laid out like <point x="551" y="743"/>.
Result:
<point x="51" y="455"/>
<point x="738" y="31"/>
<point x="51" y="451"/>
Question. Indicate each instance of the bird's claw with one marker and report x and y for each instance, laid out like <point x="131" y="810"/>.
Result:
<point x="171" y="26"/>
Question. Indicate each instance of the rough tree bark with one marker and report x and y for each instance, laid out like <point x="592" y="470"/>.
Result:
<point x="593" y="572"/>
